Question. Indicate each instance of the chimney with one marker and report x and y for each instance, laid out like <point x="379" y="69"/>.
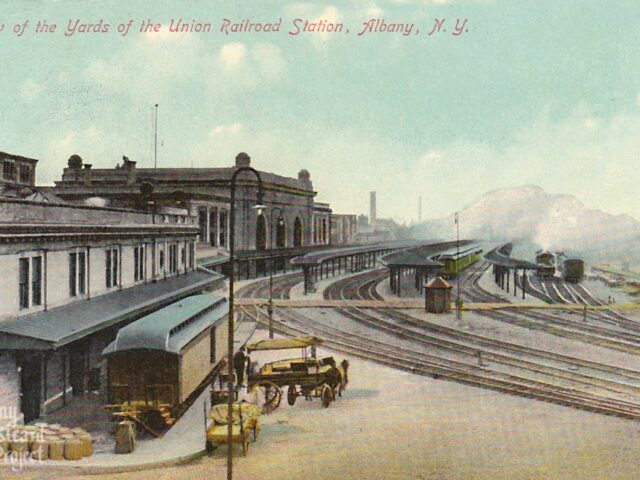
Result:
<point x="372" y="208"/>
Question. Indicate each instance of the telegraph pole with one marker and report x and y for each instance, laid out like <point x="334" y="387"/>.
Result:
<point x="155" y="139"/>
<point x="458" y="306"/>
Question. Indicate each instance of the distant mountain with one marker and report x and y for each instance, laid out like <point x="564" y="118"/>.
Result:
<point x="528" y="215"/>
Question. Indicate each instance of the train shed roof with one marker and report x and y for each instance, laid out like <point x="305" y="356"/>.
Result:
<point x="171" y="328"/>
<point x="500" y="256"/>
<point x="420" y="256"/>
<point x="317" y="258"/>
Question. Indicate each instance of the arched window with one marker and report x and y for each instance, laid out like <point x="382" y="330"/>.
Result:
<point x="297" y="232"/>
<point x="281" y="233"/>
<point x="261" y="233"/>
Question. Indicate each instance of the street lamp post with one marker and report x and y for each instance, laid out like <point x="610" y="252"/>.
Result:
<point x="271" y="263"/>
<point x="231" y="327"/>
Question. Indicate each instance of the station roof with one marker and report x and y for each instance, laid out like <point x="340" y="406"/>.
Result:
<point x="500" y="256"/>
<point x="317" y="258"/>
<point x="438" y="282"/>
<point x="62" y="325"/>
<point x="420" y="256"/>
<point x="171" y="328"/>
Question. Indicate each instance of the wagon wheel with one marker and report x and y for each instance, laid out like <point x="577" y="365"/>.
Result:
<point x="292" y="395"/>
<point x="327" y="396"/>
<point x="271" y="393"/>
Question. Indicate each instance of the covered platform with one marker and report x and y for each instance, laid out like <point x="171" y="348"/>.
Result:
<point x="503" y="263"/>
<point x="416" y="260"/>
<point x="322" y="264"/>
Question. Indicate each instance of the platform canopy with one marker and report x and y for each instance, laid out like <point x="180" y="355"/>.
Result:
<point x="285" y="343"/>
<point x="500" y="256"/>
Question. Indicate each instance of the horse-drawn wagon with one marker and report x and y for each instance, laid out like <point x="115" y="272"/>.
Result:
<point x="306" y="375"/>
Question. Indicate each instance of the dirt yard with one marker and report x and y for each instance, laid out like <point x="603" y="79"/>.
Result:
<point x="394" y="425"/>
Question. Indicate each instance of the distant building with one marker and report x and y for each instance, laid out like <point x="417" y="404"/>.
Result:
<point x="17" y="172"/>
<point x="344" y="229"/>
<point x="205" y="194"/>
<point x="72" y="276"/>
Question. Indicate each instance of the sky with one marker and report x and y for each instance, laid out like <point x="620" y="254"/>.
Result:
<point x="531" y="92"/>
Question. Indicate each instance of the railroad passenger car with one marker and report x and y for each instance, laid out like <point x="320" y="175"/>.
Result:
<point x="159" y="364"/>
<point x="573" y="270"/>
<point x="455" y="262"/>
<point x="545" y="261"/>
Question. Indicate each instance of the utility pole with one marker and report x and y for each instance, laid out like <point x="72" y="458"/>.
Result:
<point x="155" y="139"/>
<point x="458" y="306"/>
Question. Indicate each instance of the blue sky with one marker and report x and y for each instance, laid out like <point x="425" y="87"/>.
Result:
<point x="541" y="92"/>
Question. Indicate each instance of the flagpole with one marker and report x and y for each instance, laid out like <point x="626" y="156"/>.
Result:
<point x="155" y="139"/>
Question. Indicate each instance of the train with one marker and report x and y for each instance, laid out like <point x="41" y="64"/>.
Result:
<point x="572" y="270"/>
<point x="455" y="262"/>
<point x="546" y="263"/>
<point x="158" y="365"/>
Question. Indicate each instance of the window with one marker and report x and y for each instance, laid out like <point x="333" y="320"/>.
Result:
<point x="138" y="263"/>
<point x="25" y="174"/>
<point x="36" y="281"/>
<point x="9" y="170"/>
<point x="77" y="273"/>
<point x="24" y="283"/>
<point x="192" y="254"/>
<point x="111" y="267"/>
<point x="73" y="274"/>
<point x="30" y="282"/>
<point x="183" y="256"/>
<point x="173" y="258"/>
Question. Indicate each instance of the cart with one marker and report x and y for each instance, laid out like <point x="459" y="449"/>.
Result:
<point x="304" y="376"/>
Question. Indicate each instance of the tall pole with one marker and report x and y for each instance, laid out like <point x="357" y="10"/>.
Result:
<point x="458" y="307"/>
<point x="155" y="139"/>
<point x="270" y="305"/>
<point x="231" y="322"/>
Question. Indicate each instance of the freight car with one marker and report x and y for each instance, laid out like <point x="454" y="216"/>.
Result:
<point x="573" y="270"/>
<point x="158" y="365"/>
<point x="454" y="262"/>
<point x="546" y="263"/>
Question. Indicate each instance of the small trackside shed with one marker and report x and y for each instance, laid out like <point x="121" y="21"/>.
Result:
<point x="165" y="359"/>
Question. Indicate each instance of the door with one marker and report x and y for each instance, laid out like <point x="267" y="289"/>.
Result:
<point x="30" y="387"/>
<point x="77" y="368"/>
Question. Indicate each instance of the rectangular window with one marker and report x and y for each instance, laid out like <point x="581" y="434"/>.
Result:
<point x="25" y="173"/>
<point x="24" y="282"/>
<point x="9" y="170"/>
<point x="172" y="266"/>
<point x="82" y="272"/>
<point x="192" y="254"/>
<point x="111" y="267"/>
<point x="138" y="263"/>
<point x="73" y="274"/>
<point x="36" y="281"/>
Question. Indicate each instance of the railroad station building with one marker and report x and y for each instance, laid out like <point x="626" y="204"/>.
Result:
<point x="72" y="276"/>
<point x="205" y="194"/>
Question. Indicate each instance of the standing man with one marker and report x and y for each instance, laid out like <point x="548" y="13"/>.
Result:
<point x="239" y="360"/>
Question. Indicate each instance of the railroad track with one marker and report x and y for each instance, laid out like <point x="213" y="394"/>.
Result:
<point x="554" y="324"/>
<point x="620" y="386"/>
<point x="424" y="364"/>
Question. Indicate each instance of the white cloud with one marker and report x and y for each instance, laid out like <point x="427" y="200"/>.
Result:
<point x="233" y="128"/>
<point x="30" y="90"/>
<point x="374" y="11"/>
<point x="431" y="158"/>
<point x="232" y="54"/>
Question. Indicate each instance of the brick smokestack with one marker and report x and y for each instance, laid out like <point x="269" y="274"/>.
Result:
<point x="372" y="208"/>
